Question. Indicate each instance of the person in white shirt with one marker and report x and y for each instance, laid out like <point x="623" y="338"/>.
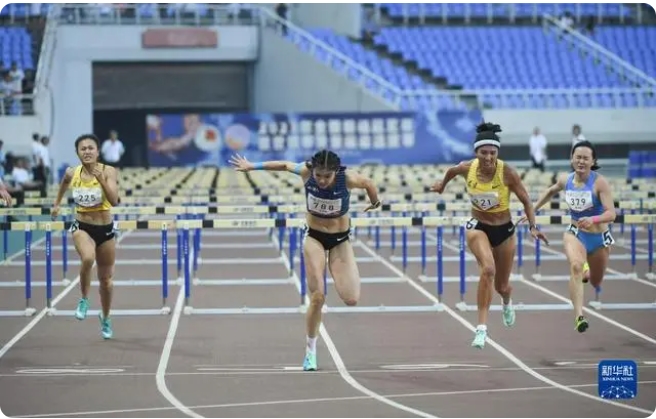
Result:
<point x="38" y="154"/>
<point x="17" y="76"/>
<point x="21" y="176"/>
<point x="577" y="137"/>
<point x="112" y="149"/>
<point x="45" y="158"/>
<point x="538" y="149"/>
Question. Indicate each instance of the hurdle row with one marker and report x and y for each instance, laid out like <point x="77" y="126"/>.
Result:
<point x="296" y="198"/>
<point x="295" y="230"/>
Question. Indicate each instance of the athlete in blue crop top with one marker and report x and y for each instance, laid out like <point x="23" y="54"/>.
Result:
<point x="327" y="191"/>
<point x="587" y="238"/>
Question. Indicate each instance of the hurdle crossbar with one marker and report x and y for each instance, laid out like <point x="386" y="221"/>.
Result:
<point x="298" y="209"/>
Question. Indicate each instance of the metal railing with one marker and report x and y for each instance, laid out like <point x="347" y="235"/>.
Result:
<point x="17" y="105"/>
<point x="363" y="76"/>
<point x="493" y="13"/>
<point x="176" y="14"/>
<point x="575" y="38"/>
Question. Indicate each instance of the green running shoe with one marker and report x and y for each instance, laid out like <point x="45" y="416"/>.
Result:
<point x="310" y="362"/>
<point x="81" y="310"/>
<point x="581" y="324"/>
<point x="479" y="339"/>
<point x="508" y="315"/>
<point x="105" y="326"/>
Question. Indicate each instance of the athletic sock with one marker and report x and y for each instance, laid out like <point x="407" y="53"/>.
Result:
<point x="482" y="327"/>
<point x="509" y="303"/>
<point x="311" y="344"/>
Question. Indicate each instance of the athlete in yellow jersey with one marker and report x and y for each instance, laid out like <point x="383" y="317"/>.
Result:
<point x="95" y="192"/>
<point x="490" y="231"/>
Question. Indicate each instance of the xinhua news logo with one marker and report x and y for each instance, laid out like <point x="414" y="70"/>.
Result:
<point x="618" y="379"/>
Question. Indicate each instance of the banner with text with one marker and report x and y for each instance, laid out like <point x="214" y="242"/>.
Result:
<point x="358" y="138"/>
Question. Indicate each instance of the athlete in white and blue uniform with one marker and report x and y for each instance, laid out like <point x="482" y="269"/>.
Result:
<point x="327" y="191"/>
<point x="587" y="238"/>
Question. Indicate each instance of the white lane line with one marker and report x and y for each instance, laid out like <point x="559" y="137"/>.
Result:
<point x="514" y="359"/>
<point x="337" y="359"/>
<point x="314" y="400"/>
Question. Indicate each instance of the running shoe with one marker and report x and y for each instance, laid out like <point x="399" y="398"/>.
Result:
<point x="581" y="324"/>
<point x="586" y="273"/>
<point x="81" y="310"/>
<point x="310" y="362"/>
<point x="479" y="339"/>
<point x="105" y="326"/>
<point x="508" y="315"/>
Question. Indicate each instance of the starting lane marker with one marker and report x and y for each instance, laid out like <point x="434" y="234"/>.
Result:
<point x="402" y="367"/>
<point x="68" y="371"/>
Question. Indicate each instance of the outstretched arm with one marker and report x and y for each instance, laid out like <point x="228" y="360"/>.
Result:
<point x="357" y="181"/>
<point x="549" y="193"/>
<point x="515" y="184"/>
<point x="453" y="171"/>
<point x="606" y="198"/>
<point x="63" y="186"/>
<point x="242" y="164"/>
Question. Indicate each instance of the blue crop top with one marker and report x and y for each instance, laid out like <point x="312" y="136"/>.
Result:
<point x="328" y="203"/>
<point x="582" y="200"/>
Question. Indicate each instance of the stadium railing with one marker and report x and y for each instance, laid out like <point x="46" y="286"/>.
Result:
<point x="603" y="55"/>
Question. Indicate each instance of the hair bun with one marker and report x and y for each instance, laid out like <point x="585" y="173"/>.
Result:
<point x="488" y="127"/>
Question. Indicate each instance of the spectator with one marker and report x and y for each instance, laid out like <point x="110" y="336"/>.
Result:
<point x="6" y="93"/>
<point x="38" y="155"/>
<point x="17" y="76"/>
<point x="538" y="149"/>
<point x="112" y="150"/>
<point x="22" y="177"/>
<point x="45" y="157"/>
<point x="3" y="159"/>
<point x="577" y="136"/>
<point x="281" y="11"/>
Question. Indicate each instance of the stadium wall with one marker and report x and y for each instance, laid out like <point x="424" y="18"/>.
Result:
<point x="287" y="79"/>
<point x="79" y="46"/>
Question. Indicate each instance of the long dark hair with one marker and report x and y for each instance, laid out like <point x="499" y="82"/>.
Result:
<point x="589" y="145"/>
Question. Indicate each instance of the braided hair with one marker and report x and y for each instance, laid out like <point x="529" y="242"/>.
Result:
<point x="589" y="145"/>
<point x="487" y="135"/>
<point x="324" y="160"/>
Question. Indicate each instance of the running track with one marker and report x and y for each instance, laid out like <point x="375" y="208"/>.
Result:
<point x="371" y="364"/>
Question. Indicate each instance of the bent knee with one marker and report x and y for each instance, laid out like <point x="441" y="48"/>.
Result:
<point x="317" y="298"/>
<point x="488" y="271"/>
<point x="87" y="261"/>
<point x="576" y="267"/>
<point x="351" y="300"/>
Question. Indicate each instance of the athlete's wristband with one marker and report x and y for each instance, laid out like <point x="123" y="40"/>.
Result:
<point x="376" y="204"/>
<point x="595" y="219"/>
<point x="258" y="166"/>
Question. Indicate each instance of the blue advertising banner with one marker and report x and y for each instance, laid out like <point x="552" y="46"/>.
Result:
<point x="359" y="138"/>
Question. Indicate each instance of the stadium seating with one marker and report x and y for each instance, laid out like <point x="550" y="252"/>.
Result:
<point x="499" y="57"/>
<point x="642" y="164"/>
<point x="522" y="10"/>
<point x="635" y="44"/>
<point x="16" y="45"/>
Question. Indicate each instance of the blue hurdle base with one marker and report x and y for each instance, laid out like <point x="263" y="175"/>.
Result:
<point x="598" y="305"/>
<point x="27" y="312"/>
<point x="611" y="277"/>
<point x="188" y="310"/>
<point x="462" y="306"/>
<point x="53" y="312"/>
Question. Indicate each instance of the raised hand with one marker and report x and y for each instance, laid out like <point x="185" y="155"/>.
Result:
<point x="240" y="163"/>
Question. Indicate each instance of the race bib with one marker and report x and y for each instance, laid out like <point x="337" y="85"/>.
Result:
<point x="578" y="200"/>
<point x="485" y="201"/>
<point x="324" y="206"/>
<point x="87" y="197"/>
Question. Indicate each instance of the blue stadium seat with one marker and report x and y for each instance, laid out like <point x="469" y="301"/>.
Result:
<point x="635" y="44"/>
<point x="514" y="58"/>
<point x="522" y="10"/>
<point x="16" y="45"/>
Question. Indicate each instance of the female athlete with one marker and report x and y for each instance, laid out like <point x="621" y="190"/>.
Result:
<point x="95" y="192"/>
<point x="587" y="239"/>
<point x="327" y="191"/>
<point x="490" y="232"/>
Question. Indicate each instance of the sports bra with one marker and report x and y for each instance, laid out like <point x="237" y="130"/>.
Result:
<point x="328" y="203"/>
<point x="88" y="195"/>
<point x="493" y="196"/>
